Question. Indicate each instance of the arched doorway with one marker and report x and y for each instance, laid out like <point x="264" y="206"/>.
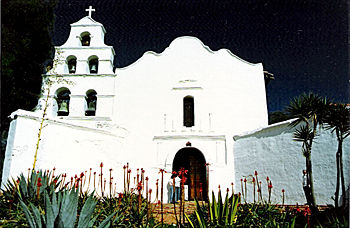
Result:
<point x="192" y="159"/>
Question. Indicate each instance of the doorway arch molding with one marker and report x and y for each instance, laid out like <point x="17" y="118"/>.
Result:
<point x="196" y="179"/>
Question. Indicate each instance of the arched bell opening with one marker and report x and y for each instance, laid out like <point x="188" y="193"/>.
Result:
<point x="63" y="99"/>
<point x="91" y="102"/>
<point x="93" y="64"/>
<point x="193" y="160"/>
<point x="72" y="64"/>
<point x="85" y="39"/>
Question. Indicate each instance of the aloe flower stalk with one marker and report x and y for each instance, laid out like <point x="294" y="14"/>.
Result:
<point x="283" y="196"/>
<point x="161" y="194"/>
<point x="104" y="185"/>
<point x="94" y="181"/>
<point x="110" y="183"/>
<point x="146" y="187"/>
<point x="101" y="166"/>
<point x="128" y="179"/>
<point x="124" y="173"/>
<point x="242" y="188"/>
<point x="39" y="184"/>
<point x="245" y="190"/>
<point x="270" y="190"/>
<point x="71" y="182"/>
<point x="259" y="186"/>
<point x="157" y="189"/>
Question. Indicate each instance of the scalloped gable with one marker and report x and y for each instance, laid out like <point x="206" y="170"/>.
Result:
<point x="191" y="42"/>
<point x="190" y="47"/>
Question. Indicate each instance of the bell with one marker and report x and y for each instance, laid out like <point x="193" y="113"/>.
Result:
<point x="91" y="109"/>
<point x="72" y="69"/>
<point x="63" y="110"/>
<point x="93" y="69"/>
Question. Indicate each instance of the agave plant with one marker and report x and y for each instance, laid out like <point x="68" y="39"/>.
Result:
<point x="220" y="214"/>
<point x="61" y="211"/>
<point x="31" y="188"/>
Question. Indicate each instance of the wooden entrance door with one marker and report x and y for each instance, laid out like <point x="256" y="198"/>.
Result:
<point x="192" y="159"/>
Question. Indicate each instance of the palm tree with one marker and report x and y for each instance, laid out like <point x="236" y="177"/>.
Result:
<point x="338" y="120"/>
<point x="309" y="111"/>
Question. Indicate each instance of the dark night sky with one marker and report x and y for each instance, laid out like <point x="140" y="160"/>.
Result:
<point x="303" y="43"/>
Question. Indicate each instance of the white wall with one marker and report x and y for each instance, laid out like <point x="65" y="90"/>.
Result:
<point x="272" y="152"/>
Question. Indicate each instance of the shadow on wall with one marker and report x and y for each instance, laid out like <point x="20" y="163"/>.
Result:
<point x="269" y="131"/>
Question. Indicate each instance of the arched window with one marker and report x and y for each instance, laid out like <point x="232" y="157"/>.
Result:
<point x="72" y="64"/>
<point x="91" y="102"/>
<point x="93" y="64"/>
<point x="85" y="39"/>
<point x="188" y="111"/>
<point x="63" y="98"/>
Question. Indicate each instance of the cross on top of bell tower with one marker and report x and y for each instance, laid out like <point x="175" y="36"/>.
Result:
<point x="90" y="10"/>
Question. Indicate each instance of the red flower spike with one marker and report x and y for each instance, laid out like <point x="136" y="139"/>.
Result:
<point x="283" y="190"/>
<point x="90" y="169"/>
<point x="245" y="180"/>
<point x="75" y="176"/>
<point x="142" y="170"/>
<point x="39" y="179"/>
<point x="267" y="179"/>
<point x="253" y="180"/>
<point x="150" y="191"/>
<point x="129" y="171"/>
<point x="54" y="169"/>
<point x="241" y="179"/>
<point x="219" y="186"/>
<point x="232" y="183"/>
<point x="256" y="173"/>
<point x="81" y="175"/>
<point x="110" y="169"/>
<point x="139" y="186"/>
<point x="146" y="178"/>
<point x="101" y="165"/>
<point x="227" y="190"/>
<point x="124" y="167"/>
<point x="39" y="184"/>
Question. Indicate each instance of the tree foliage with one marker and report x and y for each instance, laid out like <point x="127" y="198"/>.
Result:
<point x="26" y="31"/>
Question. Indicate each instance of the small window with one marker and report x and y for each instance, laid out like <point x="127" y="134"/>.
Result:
<point x="72" y="64"/>
<point x="93" y="65"/>
<point x="63" y="99"/>
<point x="85" y="39"/>
<point x="188" y="108"/>
<point x="91" y="102"/>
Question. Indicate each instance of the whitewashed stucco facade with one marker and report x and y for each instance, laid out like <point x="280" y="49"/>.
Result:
<point x="140" y="117"/>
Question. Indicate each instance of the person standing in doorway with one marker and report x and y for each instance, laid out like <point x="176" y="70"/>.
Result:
<point x="177" y="188"/>
<point x="171" y="188"/>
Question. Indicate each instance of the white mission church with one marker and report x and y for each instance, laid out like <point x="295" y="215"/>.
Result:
<point x="184" y="107"/>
